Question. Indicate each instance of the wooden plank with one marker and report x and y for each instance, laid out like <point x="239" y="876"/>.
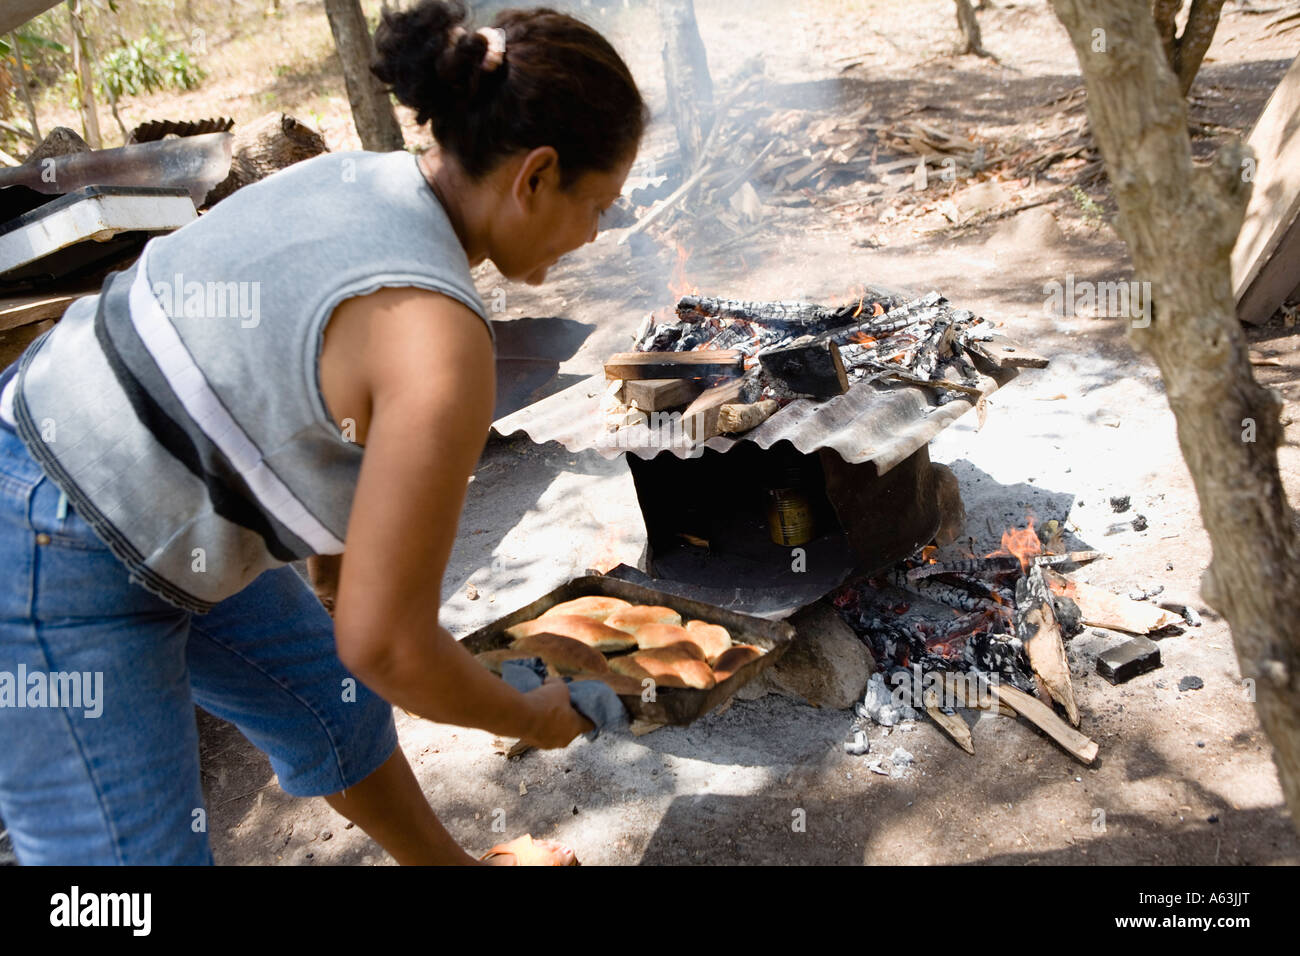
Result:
<point x="1275" y="195"/>
<point x="813" y="369"/>
<point x="700" y="419"/>
<point x="17" y="311"/>
<point x="1002" y="352"/>
<point x="701" y="364"/>
<point x="1275" y="281"/>
<point x="1038" y="631"/>
<point x="1077" y="745"/>
<point x="661" y="394"/>
<point x="1100" y="608"/>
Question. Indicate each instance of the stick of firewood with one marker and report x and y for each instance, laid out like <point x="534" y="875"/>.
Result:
<point x="1100" y="608"/>
<point x="1079" y="746"/>
<point x="998" y="564"/>
<point x="951" y="724"/>
<point x="1038" y="631"/>
<point x="734" y="419"/>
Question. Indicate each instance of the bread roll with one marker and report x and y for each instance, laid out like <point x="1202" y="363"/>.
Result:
<point x="563" y="653"/>
<point x="618" y="683"/>
<point x="650" y="636"/>
<point x="584" y="629"/>
<point x="667" y="666"/>
<point x="733" y="659"/>
<point x="638" y="615"/>
<point x="712" y="638"/>
<point x="596" y="607"/>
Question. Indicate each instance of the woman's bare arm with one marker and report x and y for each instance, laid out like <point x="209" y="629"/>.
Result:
<point x="430" y="368"/>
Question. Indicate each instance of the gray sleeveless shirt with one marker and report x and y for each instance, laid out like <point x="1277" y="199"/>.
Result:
<point x="180" y="408"/>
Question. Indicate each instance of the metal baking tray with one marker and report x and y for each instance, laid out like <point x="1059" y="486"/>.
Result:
<point x="672" y="705"/>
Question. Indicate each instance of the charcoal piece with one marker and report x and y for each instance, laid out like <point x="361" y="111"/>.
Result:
<point x="1119" y="504"/>
<point x="1191" y="682"/>
<point x="1139" y="523"/>
<point x="665" y="337"/>
<point x="1068" y="616"/>
<point x="1135" y="656"/>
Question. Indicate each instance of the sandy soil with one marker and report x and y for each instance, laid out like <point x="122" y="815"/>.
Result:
<point x="1182" y="777"/>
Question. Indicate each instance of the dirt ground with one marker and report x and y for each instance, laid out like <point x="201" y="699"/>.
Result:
<point x="1182" y="777"/>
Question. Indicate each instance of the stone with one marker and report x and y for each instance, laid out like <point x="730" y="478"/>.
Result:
<point x="1191" y="682"/>
<point x="1135" y="656"/>
<point x="826" y="665"/>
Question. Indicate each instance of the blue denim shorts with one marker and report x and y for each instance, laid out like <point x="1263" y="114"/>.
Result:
<point x="100" y="763"/>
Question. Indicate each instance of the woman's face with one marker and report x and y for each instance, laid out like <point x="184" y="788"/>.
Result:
<point x="547" y="222"/>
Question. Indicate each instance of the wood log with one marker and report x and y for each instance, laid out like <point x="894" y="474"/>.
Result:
<point x="1077" y="745"/>
<point x="700" y="419"/>
<point x="813" y="368"/>
<point x="631" y="366"/>
<point x="1100" y="608"/>
<point x="263" y="146"/>
<point x="1038" y="631"/>
<point x="734" y="419"/>
<point x="661" y="394"/>
<point x="1002" y="352"/>
<point x="950" y="724"/>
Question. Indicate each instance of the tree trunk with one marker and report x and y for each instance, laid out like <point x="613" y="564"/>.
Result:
<point x="1184" y="53"/>
<point x="970" y="29"/>
<point x="372" y="112"/>
<point x="85" y="77"/>
<point x="686" y="74"/>
<point x="24" y="90"/>
<point x="1180" y="222"/>
<point x="1202" y="21"/>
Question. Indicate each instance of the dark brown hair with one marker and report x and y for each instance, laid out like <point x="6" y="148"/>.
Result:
<point x="561" y="84"/>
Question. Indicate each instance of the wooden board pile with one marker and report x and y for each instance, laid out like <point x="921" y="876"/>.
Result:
<point x="729" y="365"/>
<point x="1004" y="619"/>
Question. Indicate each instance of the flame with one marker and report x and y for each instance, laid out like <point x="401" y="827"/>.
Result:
<point x="861" y="338"/>
<point x="861" y="299"/>
<point x="678" y="284"/>
<point x="1023" y="543"/>
<point x="877" y="309"/>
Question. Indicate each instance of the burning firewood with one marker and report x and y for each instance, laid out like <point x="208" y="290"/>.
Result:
<point x="1037" y="629"/>
<point x="998" y="564"/>
<point x="813" y="368"/>
<point x="1099" y="608"/>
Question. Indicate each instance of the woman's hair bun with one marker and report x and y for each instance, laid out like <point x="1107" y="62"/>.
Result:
<point x="417" y="57"/>
<point x="560" y="84"/>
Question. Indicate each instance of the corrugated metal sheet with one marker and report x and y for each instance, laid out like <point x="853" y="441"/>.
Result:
<point x="883" y="425"/>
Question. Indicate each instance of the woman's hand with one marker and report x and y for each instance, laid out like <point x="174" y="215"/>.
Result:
<point x="555" y="724"/>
